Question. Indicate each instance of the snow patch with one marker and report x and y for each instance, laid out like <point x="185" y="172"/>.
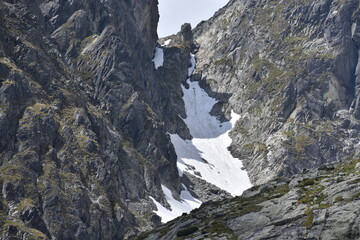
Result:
<point x="193" y="64"/>
<point x="207" y="155"/>
<point x="159" y="57"/>
<point x="186" y="204"/>
<point x="167" y="42"/>
<point x="353" y="29"/>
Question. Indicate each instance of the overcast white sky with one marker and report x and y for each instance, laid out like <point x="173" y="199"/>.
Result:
<point x="173" y="13"/>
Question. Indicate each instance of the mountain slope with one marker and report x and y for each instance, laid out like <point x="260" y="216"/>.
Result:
<point x="289" y="68"/>
<point x="319" y="204"/>
<point x="84" y="116"/>
<point x="89" y="104"/>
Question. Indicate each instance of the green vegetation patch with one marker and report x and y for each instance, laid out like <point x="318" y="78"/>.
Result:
<point x="297" y="143"/>
<point x="339" y="199"/>
<point x="349" y="168"/>
<point x="256" y="146"/>
<point x="11" y="65"/>
<point x="88" y="40"/>
<point x="307" y="182"/>
<point x="224" y="61"/>
<point x="187" y="231"/>
<point x="38" y="108"/>
<point x="2" y="218"/>
<point x="309" y="213"/>
<point x="311" y="192"/>
<point x="25" y="202"/>
<point x="244" y="206"/>
<point x="355" y="196"/>
<point x="31" y="233"/>
<point x="216" y="228"/>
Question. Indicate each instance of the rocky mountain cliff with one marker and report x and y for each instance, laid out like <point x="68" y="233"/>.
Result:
<point x="290" y="69"/>
<point x="318" y="204"/>
<point x="84" y="116"/>
<point x="86" y="111"/>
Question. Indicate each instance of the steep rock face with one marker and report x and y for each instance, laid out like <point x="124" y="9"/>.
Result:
<point x="84" y="117"/>
<point x="290" y="69"/>
<point x="319" y="204"/>
<point x="83" y="132"/>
